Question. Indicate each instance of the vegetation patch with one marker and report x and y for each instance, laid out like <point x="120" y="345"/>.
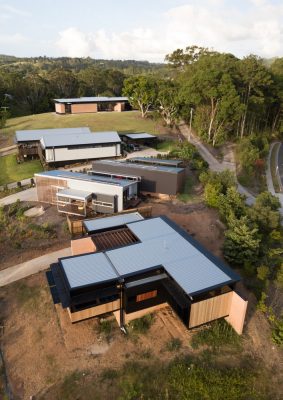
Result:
<point x="217" y="334"/>
<point x="12" y="171"/>
<point x="141" y="325"/>
<point x="174" y="344"/>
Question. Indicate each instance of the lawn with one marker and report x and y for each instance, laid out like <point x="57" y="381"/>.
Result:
<point x="129" y="121"/>
<point x="11" y="171"/>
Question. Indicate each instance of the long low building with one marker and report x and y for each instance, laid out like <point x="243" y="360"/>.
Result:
<point x="134" y="266"/>
<point x="82" y="194"/>
<point x="67" y="144"/>
<point x="91" y="105"/>
<point x="155" y="178"/>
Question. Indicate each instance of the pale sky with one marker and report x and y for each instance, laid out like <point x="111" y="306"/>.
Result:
<point x="139" y="29"/>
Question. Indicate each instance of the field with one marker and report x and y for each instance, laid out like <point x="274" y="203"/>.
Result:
<point x="11" y="171"/>
<point x="122" y="122"/>
<point x="51" y="359"/>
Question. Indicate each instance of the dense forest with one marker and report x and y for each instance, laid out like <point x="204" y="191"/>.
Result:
<point x="28" y="85"/>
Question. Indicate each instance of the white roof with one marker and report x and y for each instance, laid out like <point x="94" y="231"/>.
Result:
<point x="81" y="139"/>
<point x="74" y="194"/>
<point x="37" y="134"/>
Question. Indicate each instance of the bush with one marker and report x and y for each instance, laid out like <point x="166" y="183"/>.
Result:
<point x="141" y="325"/>
<point x="219" y="333"/>
<point x="174" y="344"/>
<point x="277" y="332"/>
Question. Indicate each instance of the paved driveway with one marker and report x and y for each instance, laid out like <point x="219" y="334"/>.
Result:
<point x="31" y="267"/>
<point x="24" y="195"/>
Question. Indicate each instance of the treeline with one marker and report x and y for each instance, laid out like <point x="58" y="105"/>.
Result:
<point x="224" y="97"/>
<point x="28" y="85"/>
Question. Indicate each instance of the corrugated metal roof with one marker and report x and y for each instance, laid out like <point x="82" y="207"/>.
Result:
<point x="88" y="269"/>
<point x="153" y="160"/>
<point x="37" y="134"/>
<point x="53" y="140"/>
<point x="130" y="165"/>
<point x="86" y="177"/>
<point x="91" y="99"/>
<point x="97" y="224"/>
<point x="143" y="135"/>
<point x="74" y="194"/>
<point x="162" y="245"/>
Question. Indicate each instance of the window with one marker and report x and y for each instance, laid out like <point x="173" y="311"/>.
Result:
<point x="146" y="296"/>
<point x="102" y="203"/>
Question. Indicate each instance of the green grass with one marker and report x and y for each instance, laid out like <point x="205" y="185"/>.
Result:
<point x="130" y="121"/>
<point x="166" y="145"/>
<point x="273" y="165"/>
<point x="11" y="171"/>
<point x="188" y="194"/>
<point x="141" y="325"/>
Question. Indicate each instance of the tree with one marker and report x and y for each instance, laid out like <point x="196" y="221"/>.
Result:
<point x="255" y="79"/>
<point x="242" y="242"/>
<point x="63" y="83"/>
<point x="167" y="101"/>
<point x="141" y="91"/>
<point x="265" y="213"/>
<point x="181" y="58"/>
<point x="231" y="204"/>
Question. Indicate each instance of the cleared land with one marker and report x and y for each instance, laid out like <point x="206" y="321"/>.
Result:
<point x="11" y="171"/>
<point x="130" y="121"/>
<point x="48" y="357"/>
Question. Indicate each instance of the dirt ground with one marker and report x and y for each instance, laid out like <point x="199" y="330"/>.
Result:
<point x="35" y="246"/>
<point x="41" y="346"/>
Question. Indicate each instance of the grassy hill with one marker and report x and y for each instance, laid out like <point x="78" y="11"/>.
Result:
<point x="121" y="122"/>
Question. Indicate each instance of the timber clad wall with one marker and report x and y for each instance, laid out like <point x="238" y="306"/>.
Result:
<point x="210" y="309"/>
<point x="237" y="313"/>
<point x="47" y="189"/>
<point x="60" y="108"/>
<point x="84" y="108"/>
<point x="94" y="311"/>
<point x="119" y="107"/>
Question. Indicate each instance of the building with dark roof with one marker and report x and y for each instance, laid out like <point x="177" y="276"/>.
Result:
<point x="155" y="177"/>
<point x="91" y="105"/>
<point x="67" y="145"/>
<point x="137" y="265"/>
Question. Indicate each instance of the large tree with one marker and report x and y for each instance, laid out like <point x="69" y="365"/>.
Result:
<point x="141" y="91"/>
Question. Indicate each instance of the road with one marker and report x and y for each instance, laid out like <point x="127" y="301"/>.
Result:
<point x="31" y="267"/>
<point x="280" y="164"/>
<point x="213" y="163"/>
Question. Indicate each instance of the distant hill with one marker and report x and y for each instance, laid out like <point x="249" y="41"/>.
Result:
<point x="36" y="64"/>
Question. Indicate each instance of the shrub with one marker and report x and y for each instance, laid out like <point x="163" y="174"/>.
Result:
<point x="277" y="332"/>
<point x="174" y="344"/>
<point x="141" y="325"/>
<point x="219" y="333"/>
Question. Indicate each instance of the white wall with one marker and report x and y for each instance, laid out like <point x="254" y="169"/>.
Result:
<point x="65" y="154"/>
<point x="97" y="187"/>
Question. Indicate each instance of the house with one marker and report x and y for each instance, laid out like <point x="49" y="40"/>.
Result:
<point x="82" y="194"/>
<point x="28" y="141"/>
<point x="67" y="145"/>
<point x="91" y="105"/>
<point x="133" y="266"/>
<point x="156" y="179"/>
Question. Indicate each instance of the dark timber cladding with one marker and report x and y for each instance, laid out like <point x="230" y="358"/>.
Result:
<point x="154" y="178"/>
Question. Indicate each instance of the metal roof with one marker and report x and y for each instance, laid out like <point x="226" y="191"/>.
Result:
<point x="88" y="269"/>
<point x="143" y="135"/>
<point x="91" y="99"/>
<point x="74" y="194"/>
<point x="162" y="245"/>
<point x="37" y="134"/>
<point x="153" y="160"/>
<point x="53" y="140"/>
<point x="97" y="224"/>
<point x="131" y="165"/>
<point x="85" y="177"/>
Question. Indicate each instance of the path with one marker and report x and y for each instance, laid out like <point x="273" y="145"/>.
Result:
<point x="5" y="151"/>
<point x="213" y="163"/>
<point x="31" y="267"/>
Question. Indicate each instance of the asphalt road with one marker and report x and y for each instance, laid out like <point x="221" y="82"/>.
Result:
<point x="280" y="162"/>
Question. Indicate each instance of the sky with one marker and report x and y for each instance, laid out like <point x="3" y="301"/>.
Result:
<point x="139" y="29"/>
